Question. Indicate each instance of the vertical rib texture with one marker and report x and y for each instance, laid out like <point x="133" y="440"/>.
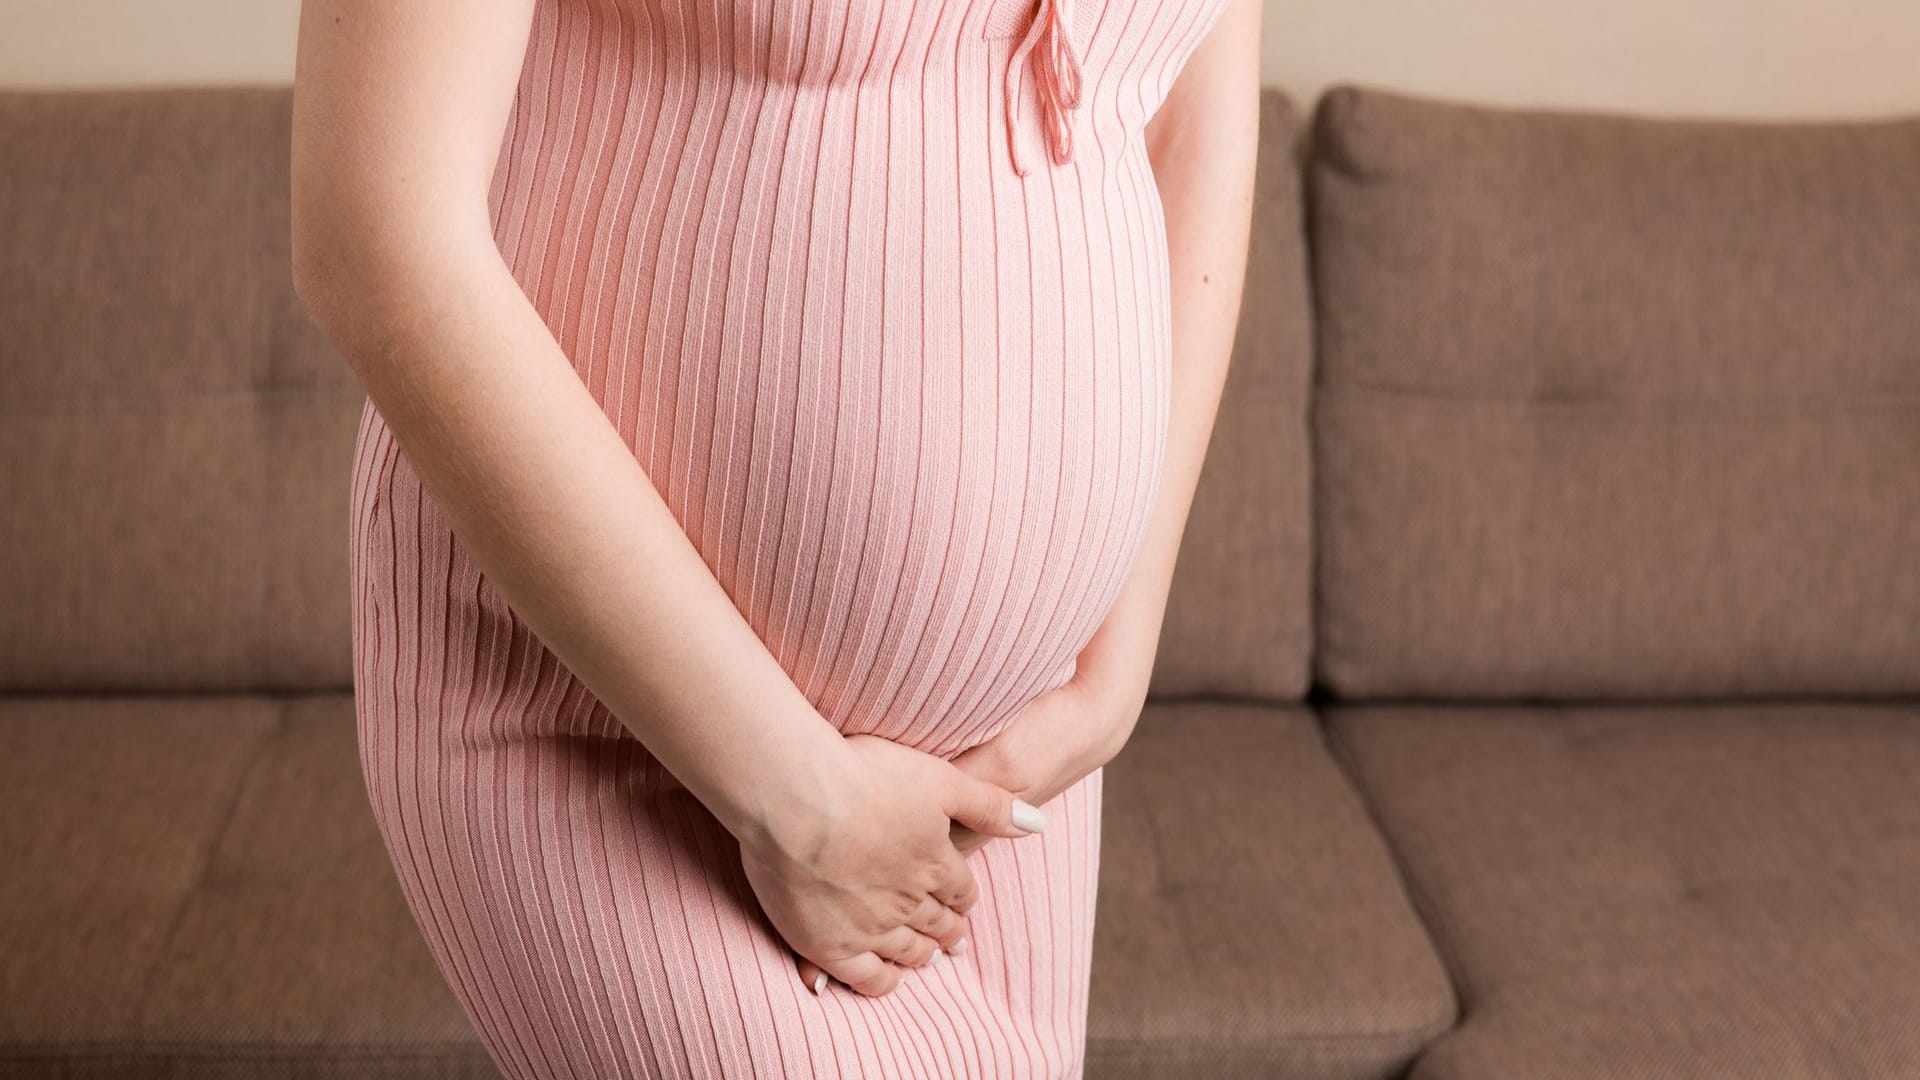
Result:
<point x="909" y="403"/>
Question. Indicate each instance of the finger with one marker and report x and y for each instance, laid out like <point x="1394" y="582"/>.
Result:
<point x="907" y="947"/>
<point x="989" y="808"/>
<point x="939" y="922"/>
<point x="965" y="840"/>
<point x="811" y="975"/>
<point x="866" y="973"/>
<point x="956" y="887"/>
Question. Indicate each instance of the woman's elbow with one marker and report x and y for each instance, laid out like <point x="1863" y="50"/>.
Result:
<point x="325" y="267"/>
<point x="359" y="272"/>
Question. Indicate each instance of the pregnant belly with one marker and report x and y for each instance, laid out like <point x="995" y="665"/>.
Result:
<point x="914" y="431"/>
<point x="924" y="542"/>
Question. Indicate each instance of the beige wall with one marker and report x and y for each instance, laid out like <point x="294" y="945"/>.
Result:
<point x="1731" y="57"/>
<point x="99" y="42"/>
<point x="1737" y="57"/>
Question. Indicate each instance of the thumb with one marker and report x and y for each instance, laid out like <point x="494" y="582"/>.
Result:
<point x="990" y="809"/>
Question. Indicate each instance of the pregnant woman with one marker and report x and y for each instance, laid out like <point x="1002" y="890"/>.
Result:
<point x="782" y="418"/>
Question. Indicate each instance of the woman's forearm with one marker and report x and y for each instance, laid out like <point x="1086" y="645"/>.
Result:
<point x="402" y="120"/>
<point x="561" y="517"/>
<point x="1202" y="144"/>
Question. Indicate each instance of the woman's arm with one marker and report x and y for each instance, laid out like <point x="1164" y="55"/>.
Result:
<point x="1203" y="144"/>
<point x="399" y="111"/>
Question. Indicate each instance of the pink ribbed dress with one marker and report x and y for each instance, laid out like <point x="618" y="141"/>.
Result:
<point x="877" y="292"/>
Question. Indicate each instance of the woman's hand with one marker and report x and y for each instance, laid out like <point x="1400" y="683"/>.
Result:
<point x="869" y="880"/>
<point x="1062" y="736"/>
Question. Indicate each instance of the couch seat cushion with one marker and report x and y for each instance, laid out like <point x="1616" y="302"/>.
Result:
<point x="195" y="886"/>
<point x="1250" y="921"/>
<point x="1660" y="892"/>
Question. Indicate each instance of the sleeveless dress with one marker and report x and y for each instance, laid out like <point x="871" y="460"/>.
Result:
<point x="877" y="291"/>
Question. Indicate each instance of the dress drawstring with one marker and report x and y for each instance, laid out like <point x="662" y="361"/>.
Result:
<point x="1057" y="77"/>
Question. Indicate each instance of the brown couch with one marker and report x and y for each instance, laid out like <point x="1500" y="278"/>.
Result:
<point x="1540" y="697"/>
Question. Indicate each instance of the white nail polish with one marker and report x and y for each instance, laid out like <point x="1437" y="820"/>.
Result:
<point x="959" y="947"/>
<point x="1027" y="816"/>
<point x="936" y="956"/>
<point x="820" y="983"/>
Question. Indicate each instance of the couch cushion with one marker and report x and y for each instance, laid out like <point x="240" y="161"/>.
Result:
<point x="1250" y="922"/>
<point x="175" y="435"/>
<point x="1660" y="893"/>
<point x="1614" y="405"/>
<point x="195" y="886"/>
<point x="1237" y="617"/>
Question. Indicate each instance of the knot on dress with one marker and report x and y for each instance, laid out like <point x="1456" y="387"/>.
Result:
<point x="1056" y="70"/>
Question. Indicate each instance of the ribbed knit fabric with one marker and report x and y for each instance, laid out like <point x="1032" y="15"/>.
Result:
<point x="909" y="403"/>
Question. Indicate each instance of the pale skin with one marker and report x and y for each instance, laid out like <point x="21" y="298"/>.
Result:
<point x="1203" y="143"/>
<point x="855" y="846"/>
<point x="399" y="111"/>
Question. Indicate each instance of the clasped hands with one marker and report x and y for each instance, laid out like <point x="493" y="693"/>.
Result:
<point x="876" y="881"/>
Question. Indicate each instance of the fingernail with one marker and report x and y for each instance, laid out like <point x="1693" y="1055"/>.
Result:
<point x="820" y="983"/>
<point x="1027" y="816"/>
<point x="959" y="947"/>
<point x="937" y="954"/>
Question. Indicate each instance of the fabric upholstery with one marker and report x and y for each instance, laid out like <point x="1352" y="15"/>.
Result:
<point x="1614" y="406"/>
<point x="151" y="265"/>
<point x="1656" y="892"/>
<point x="1604" y="406"/>
<point x="1250" y="921"/>
<point x="1238" y="614"/>
<point x="195" y="887"/>
<point x="174" y="432"/>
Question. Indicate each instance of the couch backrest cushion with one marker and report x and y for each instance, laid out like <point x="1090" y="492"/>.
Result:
<point x="1614" y="405"/>
<point x="175" y="435"/>
<point x="1238" y="618"/>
